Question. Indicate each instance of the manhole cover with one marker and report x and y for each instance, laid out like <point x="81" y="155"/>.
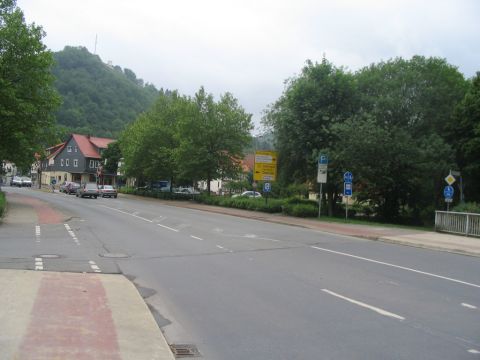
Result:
<point x="114" y="255"/>
<point x="48" y="256"/>
<point x="184" y="350"/>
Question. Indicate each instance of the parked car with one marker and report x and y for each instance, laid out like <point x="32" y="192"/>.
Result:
<point x="88" y="190"/>
<point x="16" y="181"/>
<point x="72" y="188"/>
<point x="108" y="191"/>
<point x="26" y="181"/>
<point x="187" y="191"/>
<point x="69" y="187"/>
<point x="250" y="194"/>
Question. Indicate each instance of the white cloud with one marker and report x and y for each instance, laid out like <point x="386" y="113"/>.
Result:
<point x="250" y="47"/>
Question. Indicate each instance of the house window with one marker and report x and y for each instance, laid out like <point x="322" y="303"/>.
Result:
<point x="97" y="164"/>
<point x="76" y="149"/>
<point x="61" y="162"/>
<point x="75" y="162"/>
<point x="92" y="164"/>
<point x="67" y="162"/>
<point x="69" y="149"/>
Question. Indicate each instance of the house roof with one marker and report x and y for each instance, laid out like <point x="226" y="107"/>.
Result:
<point x="54" y="150"/>
<point x="88" y="145"/>
<point x="248" y="162"/>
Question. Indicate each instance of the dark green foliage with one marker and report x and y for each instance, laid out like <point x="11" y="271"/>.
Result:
<point x="464" y="136"/>
<point x="3" y="204"/>
<point x="389" y="123"/>
<point x="27" y="95"/>
<point x="470" y="207"/>
<point x="110" y="157"/>
<point x="97" y="98"/>
<point x="301" y="210"/>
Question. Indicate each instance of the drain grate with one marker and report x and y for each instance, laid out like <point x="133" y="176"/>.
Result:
<point x="184" y="350"/>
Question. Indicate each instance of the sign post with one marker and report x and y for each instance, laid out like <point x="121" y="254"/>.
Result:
<point x="347" y="190"/>
<point x="448" y="194"/>
<point x="265" y="166"/>
<point x="267" y="187"/>
<point x="321" y="178"/>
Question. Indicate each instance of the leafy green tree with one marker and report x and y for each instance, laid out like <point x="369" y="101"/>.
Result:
<point x="302" y="119"/>
<point x="464" y="135"/>
<point x="98" y="99"/>
<point x="27" y="95"/>
<point x="148" y="145"/>
<point x="111" y="157"/>
<point x="212" y="138"/>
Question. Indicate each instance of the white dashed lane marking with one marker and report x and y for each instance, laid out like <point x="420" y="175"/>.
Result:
<point x="37" y="233"/>
<point x="195" y="237"/>
<point x="72" y="234"/>
<point x="39" y="264"/>
<point x="473" y="351"/>
<point x="94" y="266"/>
<point x="362" y="304"/>
<point x="469" y="306"/>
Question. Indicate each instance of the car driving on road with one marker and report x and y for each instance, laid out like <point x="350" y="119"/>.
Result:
<point x="108" y="191"/>
<point x="88" y="190"/>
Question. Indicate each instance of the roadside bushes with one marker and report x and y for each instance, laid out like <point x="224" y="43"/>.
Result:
<point x="300" y="207"/>
<point x="469" y="207"/>
<point x="3" y="204"/>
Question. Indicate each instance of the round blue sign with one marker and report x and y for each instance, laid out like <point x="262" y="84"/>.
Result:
<point x="348" y="177"/>
<point x="448" y="192"/>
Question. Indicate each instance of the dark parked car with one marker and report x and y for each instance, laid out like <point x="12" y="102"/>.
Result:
<point x="108" y="191"/>
<point x="69" y="187"/>
<point x="88" y="190"/>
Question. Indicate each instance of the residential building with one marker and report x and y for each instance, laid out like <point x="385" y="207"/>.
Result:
<point x="77" y="159"/>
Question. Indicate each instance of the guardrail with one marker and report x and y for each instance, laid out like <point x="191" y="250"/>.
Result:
<point x="457" y="223"/>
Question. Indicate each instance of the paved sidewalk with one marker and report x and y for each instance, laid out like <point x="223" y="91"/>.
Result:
<point x="52" y="315"/>
<point x="411" y="237"/>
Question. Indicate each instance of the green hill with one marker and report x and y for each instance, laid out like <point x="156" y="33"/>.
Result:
<point x="98" y="99"/>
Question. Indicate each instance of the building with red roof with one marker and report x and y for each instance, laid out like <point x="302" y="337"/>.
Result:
<point x="78" y="159"/>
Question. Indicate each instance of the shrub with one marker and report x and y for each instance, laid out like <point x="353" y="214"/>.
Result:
<point x="3" y="203"/>
<point x="469" y="207"/>
<point x="300" y="210"/>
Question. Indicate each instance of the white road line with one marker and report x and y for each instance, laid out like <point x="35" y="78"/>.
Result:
<point x="126" y="213"/>
<point x="359" y="303"/>
<point x="220" y="247"/>
<point x="37" y="233"/>
<point x="39" y="264"/>
<point x="196" y="237"/>
<point x="473" y="351"/>
<point x="469" y="306"/>
<point x="396" y="266"/>
<point x="169" y="228"/>
<point x="72" y="234"/>
<point x="94" y="266"/>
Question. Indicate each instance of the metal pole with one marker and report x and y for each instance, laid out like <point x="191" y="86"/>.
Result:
<point x="346" y="210"/>
<point x="320" y="201"/>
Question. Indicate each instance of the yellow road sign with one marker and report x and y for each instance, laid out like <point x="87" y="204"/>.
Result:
<point x="265" y="166"/>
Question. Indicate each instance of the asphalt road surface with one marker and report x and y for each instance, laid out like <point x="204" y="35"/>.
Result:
<point x="241" y="289"/>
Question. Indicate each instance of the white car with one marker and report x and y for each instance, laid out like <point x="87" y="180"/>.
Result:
<point x="250" y="194"/>
<point x="187" y="191"/>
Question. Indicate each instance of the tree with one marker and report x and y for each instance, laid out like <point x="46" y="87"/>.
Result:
<point x="464" y="135"/>
<point x="302" y="122"/>
<point x="212" y="138"/>
<point x="148" y="144"/>
<point x="27" y="95"/>
<point x="111" y="157"/>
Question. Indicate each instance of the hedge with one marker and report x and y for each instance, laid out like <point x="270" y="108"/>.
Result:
<point x="3" y="203"/>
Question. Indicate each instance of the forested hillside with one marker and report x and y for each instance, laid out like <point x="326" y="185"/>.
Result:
<point x="98" y="99"/>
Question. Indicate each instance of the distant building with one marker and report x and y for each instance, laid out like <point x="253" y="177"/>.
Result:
<point x="77" y="159"/>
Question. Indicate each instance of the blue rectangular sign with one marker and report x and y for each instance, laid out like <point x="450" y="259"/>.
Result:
<point x="347" y="189"/>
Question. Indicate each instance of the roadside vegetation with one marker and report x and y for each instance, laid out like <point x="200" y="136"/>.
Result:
<point x="3" y="204"/>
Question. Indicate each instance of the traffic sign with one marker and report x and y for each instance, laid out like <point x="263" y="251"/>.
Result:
<point x="322" y="169"/>
<point x="448" y="192"/>
<point x="348" y="177"/>
<point x="265" y="166"/>
<point x="450" y="179"/>
<point x="267" y="187"/>
<point x="323" y="159"/>
<point x="347" y="189"/>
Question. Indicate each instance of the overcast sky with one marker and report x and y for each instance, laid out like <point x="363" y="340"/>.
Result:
<point x="249" y="47"/>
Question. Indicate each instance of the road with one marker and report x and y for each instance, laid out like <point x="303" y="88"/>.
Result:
<point x="239" y="288"/>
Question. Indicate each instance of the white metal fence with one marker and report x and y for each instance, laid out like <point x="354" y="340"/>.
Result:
<point x="458" y="223"/>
